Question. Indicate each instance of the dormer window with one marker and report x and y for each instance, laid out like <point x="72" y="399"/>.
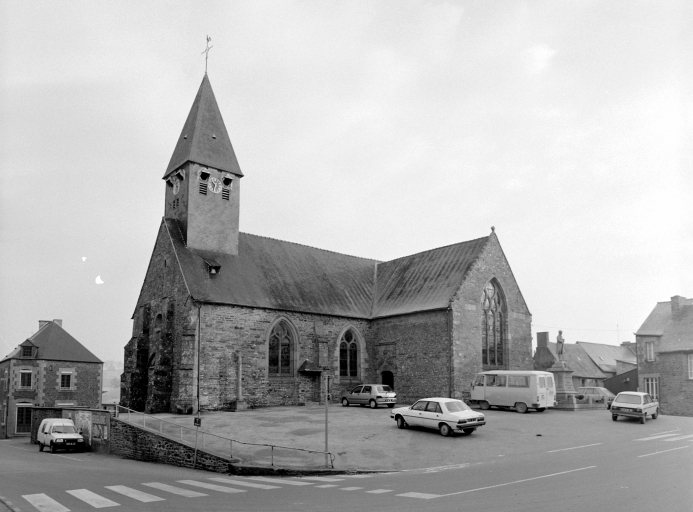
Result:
<point x="227" y="182"/>
<point x="204" y="178"/>
<point x="26" y="351"/>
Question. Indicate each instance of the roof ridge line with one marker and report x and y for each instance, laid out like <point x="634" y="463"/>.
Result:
<point x="435" y="249"/>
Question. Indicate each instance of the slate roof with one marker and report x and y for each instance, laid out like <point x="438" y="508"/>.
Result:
<point x="676" y="334"/>
<point x="274" y="274"/>
<point x="56" y="344"/>
<point x="578" y="360"/>
<point x="605" y="356"/>
<point x="204" y="138"/>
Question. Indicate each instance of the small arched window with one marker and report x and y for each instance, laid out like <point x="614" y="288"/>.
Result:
<point x="280" y="350"/>
<point x="492" y="326"/>
<point x="348" y="355"/>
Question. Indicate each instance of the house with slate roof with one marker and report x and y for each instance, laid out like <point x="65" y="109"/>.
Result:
<point x="215" y="299"/>
<point x="49" y="369"/>
<point x="665" y="355"/>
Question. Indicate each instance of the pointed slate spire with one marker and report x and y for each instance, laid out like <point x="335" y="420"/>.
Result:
<point x="204" y="139"/>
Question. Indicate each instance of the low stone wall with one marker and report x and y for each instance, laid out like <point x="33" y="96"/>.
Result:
<point x="132" y="442"/>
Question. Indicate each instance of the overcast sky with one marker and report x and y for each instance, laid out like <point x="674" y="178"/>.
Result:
<point x="377" y="129"/>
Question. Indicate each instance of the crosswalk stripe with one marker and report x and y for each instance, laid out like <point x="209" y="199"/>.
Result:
<point x="278" y="480"/>
<point x="325" y="486"/>
<point x="379" y="491"/>
<point x="680" y="438"/>
<point x="234" y="481"/>
<point x="134" y="493"/>
<point x="420" y="495"/>
<point x="350" y="488"/>
<point x="92" y="498"/>
<point x="214" y="487"/>
<point x="651" y="438"/>
<point x="44" y="503"/>
<point x="321" y="479"/>
<point x="175" y="490"/>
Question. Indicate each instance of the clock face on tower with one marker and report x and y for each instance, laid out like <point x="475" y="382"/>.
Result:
<point x="214" y="185"/>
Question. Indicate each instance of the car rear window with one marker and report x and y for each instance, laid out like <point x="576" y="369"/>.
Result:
<point x="456" y="406"/>
<point x="384" y="389"/>
<point x="628" y="399"/>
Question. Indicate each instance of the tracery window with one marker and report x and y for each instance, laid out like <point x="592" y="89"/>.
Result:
<point x="280" y="350"/>
<point x="348" y="355"/>
<point x="492" y="326"/>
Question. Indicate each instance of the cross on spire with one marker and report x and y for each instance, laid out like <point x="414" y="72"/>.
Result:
<point x="206" y="52"/>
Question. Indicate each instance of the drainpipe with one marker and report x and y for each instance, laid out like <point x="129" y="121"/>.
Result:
<point x="452" y="349"/>
<point x="197" y="355"/>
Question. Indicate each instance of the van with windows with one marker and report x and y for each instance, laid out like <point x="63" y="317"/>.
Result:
<point x="59" y="434"/>
<point x="521" y="390"/>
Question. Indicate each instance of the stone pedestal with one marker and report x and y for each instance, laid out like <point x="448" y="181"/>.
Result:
<point x="563" y="377"/>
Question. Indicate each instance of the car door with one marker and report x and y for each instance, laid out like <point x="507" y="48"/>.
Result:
<point x="649" y="406"/>
<point x="355" y="395"/>
<point x="414" y="416"/>
<point x="432" y="415"/>
<point x="365" y="395"/>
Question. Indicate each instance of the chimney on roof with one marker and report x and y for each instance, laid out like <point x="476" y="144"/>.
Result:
<point x="676" y="303"/>
<point x="58" y="321"/>
<point x="43" y="322"/>
<point x="542" y="339"/>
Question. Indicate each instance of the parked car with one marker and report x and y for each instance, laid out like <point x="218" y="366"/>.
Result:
<point x="598" y="394"/>
<point x="59" y="433"/>
<point x="446" y="415"/>
<point x="634" y="404"/>
<point x="372" y="395"/>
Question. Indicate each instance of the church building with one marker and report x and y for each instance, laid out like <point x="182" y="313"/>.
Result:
<point x="225" y="315"/>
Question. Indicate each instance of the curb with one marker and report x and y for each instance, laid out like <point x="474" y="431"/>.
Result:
<point x="250" y="470"/>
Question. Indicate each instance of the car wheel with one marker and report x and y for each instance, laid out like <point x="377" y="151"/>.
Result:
<point x="53" y="448"/>
<point x="40" y="447"/>
<point x="521" y="407"/>
<point x="373" y="404"/>
<point x="390" y="405"/>
<point x="468" y="431"/>
<point x="541" y="409"/>
<point x="655" y="414"/>
<point x="345" y="402"/>
<point x="445" y="429"/>
<point x="484" y="405"/>
<point x="400" y="422"/>
<point x="614" y="417"/>
<point x="642" y="419"/>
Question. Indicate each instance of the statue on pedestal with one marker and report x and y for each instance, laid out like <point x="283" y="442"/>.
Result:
<point x="559" y="345"/>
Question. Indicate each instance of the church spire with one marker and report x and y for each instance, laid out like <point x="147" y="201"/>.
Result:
<point x="204" y="139"/>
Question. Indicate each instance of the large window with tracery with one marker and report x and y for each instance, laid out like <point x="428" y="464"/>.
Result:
<point x="348" y="355"/>
<point x="281" y="345"/>
<point x="492" y="326"/>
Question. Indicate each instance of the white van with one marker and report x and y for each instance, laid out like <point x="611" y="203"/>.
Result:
<point x="518" y="389"/>
<point x="59" y="434"/>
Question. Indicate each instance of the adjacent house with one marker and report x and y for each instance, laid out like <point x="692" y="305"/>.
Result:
<point x="665" y="355"/>
<point x="49" y="369"/>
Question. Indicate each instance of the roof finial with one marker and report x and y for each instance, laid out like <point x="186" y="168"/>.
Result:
<point x="206" y="52"/>
<point x="493" y="229"/>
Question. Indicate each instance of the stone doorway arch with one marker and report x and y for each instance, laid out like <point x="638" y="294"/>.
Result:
<point x="386" y="377"/>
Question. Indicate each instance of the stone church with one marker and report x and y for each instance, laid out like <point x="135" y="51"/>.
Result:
<point x="223" y="313"/>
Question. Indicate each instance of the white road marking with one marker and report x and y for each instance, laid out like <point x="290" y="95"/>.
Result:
<point x="654" y="437"/>
<point x="234" y="481"/>
<point x="357" y="476"/>
<point x="44" y="503"/>
<point x="574" y="447"/>
<point x="134" y="493"/>
<point x="379" y="491"/>
<point x="518" y="481"/>
<point x="278" y="480"/>
<point x="420" y="495"/>
<point x="679" y="438"/>
<point x="350" y="488"/>
<point x="92" y="498"/>
<point x="321" y="479"/>
<point x="438" y="468"/>
<point x="175" y="490"/>
<point x="325" y="486"/>
<point x="66" y="457"/>
<point x="666" y="432"/>
<point x="213" y="487"/>
<point x="663" y="451"/>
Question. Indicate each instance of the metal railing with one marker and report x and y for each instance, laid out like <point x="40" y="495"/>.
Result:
<point x="219" y="445"/>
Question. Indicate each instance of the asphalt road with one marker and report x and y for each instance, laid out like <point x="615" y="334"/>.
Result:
<point x="584" y="462"/>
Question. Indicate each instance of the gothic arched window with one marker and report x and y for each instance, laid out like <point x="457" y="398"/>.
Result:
<point x="281" y="350"/>
<point x="348" y="356"/>
<point x="492" y="326"/>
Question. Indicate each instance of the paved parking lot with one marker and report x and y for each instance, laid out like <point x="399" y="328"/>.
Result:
<point x="362" y="438"/>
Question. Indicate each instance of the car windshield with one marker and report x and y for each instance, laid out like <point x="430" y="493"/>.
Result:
<point x="605" y="392"/>
<point x="64" y="429"/>
<point x="457" y="406"/>
<point x="384" y="389"/>
<point x="628" y="399"/>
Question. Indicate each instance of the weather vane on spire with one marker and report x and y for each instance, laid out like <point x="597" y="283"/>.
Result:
<point x="206" y="52"/>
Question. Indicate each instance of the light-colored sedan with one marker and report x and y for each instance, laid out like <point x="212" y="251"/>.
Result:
<point x="446" y="415"/>
<point x="371" y="395"/>
<point x="635" y="405"/>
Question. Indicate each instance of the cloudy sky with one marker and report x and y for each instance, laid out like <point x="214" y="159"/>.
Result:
<point x="377" y="129"/>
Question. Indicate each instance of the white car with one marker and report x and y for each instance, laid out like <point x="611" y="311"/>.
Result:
<point x="446" y="415"/>
<point x="635" y="405"/>
<point x="59" y="433"/>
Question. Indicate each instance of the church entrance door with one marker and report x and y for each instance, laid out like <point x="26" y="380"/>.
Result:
<point x="386" y="377"/>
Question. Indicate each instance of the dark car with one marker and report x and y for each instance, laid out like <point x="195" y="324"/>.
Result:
<point x="598" y="394"/>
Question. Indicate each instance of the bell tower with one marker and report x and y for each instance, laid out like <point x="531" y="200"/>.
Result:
<point x="203" y="179"/>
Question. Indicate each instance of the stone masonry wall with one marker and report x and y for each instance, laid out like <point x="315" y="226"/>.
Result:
<point x="675" y="388"/>
<point x="466" y="314"/>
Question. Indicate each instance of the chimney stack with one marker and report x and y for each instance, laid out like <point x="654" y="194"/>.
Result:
<point x="676" y="302"/>
<point x="58" y="321"/>
<point x="542" y="339"/>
